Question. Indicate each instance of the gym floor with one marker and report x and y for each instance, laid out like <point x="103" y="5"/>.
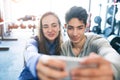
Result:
<point x="11" y="61"/>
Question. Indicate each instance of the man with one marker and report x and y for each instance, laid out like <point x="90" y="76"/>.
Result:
<point x="94" y="48"/>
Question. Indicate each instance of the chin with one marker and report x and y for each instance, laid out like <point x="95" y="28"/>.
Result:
<point x="51" y="39"/>
<point x="75" y="42"/>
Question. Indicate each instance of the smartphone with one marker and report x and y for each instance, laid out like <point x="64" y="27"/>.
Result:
<point x="73" y="62"/>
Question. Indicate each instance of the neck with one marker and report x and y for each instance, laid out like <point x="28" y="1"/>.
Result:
<point x="50" y="41"/>
<point x="77" y="48"/>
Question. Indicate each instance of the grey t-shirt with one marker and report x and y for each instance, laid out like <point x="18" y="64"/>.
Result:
<point x="99" y="45"/>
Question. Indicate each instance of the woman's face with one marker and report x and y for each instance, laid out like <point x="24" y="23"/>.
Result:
<point x="50" y="27"/>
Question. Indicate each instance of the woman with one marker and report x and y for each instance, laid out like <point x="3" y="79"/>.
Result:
<point x="48" y="42"/>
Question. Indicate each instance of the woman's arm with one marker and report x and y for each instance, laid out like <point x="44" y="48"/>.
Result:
<point x="31" y="56"/>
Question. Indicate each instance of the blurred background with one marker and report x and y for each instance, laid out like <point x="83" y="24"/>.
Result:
<point x="19" y="21"/>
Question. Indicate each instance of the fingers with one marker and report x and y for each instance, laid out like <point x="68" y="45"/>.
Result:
<point x="50" y="72"/>
<point x="102" y="65"/>
<point x="51" y="68"/>
<point x="53" y="63"/>
<point x="94" y="59"/>
<point x="91" y="72"/>
<point x="86" y="74"/>
<point x="56" y="64"/>
<point x="44" y="77"/>
<point x="103" y="70"/>
<point x="93" y="78"/>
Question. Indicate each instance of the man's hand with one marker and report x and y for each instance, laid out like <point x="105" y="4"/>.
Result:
<point x="103" y="70"/>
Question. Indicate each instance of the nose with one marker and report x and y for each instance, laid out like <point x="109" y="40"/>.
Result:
<point x="75" y="32"/>
<point x="50" y="29"/>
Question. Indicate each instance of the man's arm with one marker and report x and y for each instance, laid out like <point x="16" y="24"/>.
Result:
<point x="105" y="50"/>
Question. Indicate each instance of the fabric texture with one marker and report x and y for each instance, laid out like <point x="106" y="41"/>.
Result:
<point x="96" y="43"/>
<point x="31" y="57"/>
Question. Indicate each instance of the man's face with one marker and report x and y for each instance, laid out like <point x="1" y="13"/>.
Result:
<point x="75" y="30"/>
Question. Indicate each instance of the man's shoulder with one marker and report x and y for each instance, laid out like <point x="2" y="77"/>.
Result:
<point x="96" y="39"/>
<point x="93" y="36"/>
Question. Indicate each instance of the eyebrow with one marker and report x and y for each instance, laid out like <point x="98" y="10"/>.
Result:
<point x="77" y="26"/>
<point x="44" y="24"/>
<point x="47" y="24"/>
<point x="53" y="23"/>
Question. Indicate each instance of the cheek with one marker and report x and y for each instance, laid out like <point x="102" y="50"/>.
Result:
<point x="57" y="30"/>
<point x="70" y="33"/>
<point x="44" y="31"/>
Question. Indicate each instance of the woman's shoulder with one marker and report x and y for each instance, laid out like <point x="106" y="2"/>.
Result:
<point x="33" y="40"/>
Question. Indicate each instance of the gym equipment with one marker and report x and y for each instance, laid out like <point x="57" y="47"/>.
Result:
<point x="107" y="31"/>
<point x="2" y="48"/>
<point x="89" y="18"/>
<point x="118" y="1"/>
<point x="115" y="42"/>
<point x="109" y="21"/>
<point x="118" y="50"/>
<point x="118" y="29"/>
<point x="97" y="20"/>
<point x="22" y="26"/>
<point x="110" y="30"/>
<point x="88" y="23"/>
<point x="111" y="9"/>
<point x="96" y="29"/>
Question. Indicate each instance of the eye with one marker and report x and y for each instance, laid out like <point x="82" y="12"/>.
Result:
<point x="45" y="26"/>
<point x="80" y="27"/>
<point x="54" y="25"/>
<point x="69" y="27"/>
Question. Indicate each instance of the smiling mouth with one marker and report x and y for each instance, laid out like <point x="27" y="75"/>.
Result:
<point x="51" y="35"/>
<point x="74" y="39"/>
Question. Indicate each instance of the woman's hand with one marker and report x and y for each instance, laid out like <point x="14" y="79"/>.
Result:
<point x="50" y="69"/>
